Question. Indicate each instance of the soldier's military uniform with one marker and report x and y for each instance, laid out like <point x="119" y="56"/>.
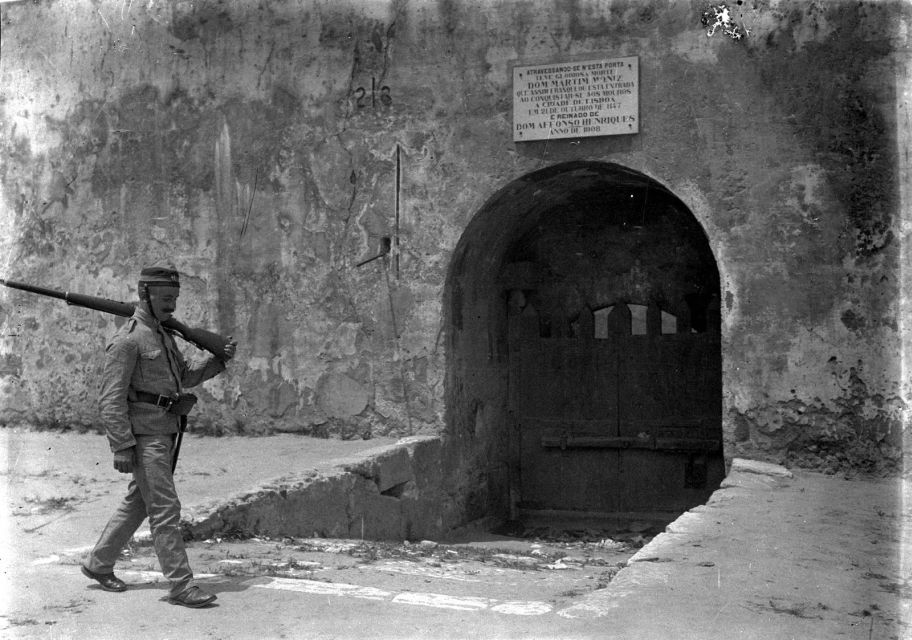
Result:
<point x="143" y="372"/>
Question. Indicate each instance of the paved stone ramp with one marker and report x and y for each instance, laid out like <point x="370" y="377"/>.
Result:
<point x="772" y="555"/>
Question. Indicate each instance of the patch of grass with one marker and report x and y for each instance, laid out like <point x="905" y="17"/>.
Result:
<point x="39" y="506"/>
<point x="73" y="606"/>
<point x="23" y="622"/>
<point x="290" y="568"/>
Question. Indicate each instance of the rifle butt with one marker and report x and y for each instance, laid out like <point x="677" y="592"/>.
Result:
<point x="206" y="340"/>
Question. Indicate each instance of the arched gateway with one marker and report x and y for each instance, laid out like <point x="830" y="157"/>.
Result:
<point x="584" y="354"/>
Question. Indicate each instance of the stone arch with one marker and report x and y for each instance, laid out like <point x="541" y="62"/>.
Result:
<point x="514" y="260"/>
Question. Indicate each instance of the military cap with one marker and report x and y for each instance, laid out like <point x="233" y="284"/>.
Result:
<point x="160" y="274"/>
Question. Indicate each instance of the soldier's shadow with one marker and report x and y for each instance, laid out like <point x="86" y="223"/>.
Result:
<point x="221" y="585"/>
<point x="228" y="584"/>
<point x="216" y="585"/>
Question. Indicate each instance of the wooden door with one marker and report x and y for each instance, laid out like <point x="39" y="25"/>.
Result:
<point x="619" y="422"/>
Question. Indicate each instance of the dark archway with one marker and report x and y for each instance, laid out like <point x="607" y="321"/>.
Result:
<point x="584" y="360"/>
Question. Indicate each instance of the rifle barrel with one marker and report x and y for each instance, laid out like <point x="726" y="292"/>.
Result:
<point x="77" y="299"/>
<point x="207" y="340"/>
<point x="100" y="304"/>
<point x="33" y="289"/>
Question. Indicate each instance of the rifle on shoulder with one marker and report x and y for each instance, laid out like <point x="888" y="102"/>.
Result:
<point x="206" y="340"/>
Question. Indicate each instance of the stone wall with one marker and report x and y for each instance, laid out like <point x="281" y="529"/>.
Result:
<point x="269" y="148"/>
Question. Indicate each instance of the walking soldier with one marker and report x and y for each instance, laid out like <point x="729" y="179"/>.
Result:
<point x="143" y="410"/>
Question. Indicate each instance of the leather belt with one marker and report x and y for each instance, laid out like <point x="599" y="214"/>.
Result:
<point x="164" y="402"/>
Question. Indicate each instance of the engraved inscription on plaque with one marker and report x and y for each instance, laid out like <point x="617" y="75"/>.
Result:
<point x="576" y="99"/>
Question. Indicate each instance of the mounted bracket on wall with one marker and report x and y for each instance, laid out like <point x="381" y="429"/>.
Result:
<point x="385" y="244"/>
<point x="398" y="194"/>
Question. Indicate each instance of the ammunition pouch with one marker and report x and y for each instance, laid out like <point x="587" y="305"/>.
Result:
<point x="183" y="405"/>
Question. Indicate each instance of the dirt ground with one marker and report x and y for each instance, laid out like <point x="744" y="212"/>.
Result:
<point x="59" y="489"/>
<point x="773" y="554"/>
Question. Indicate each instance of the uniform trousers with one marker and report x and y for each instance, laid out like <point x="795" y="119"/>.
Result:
<point x="150" y="494"/>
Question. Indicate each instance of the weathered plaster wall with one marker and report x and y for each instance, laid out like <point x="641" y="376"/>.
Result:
<point x="258" y="146"/>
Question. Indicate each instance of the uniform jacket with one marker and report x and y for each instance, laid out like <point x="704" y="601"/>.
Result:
<point x="142" y="356"/>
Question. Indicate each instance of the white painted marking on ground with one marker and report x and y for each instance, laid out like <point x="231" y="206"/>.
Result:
<point x="441" y="601"/>
<point x="422" y="572"/>
<point x="437" y="600"/>
<point x="155" y="576"/>
<point x="316" y="587"/>
<point x="325" y="588"/>
<point x="586" y="610"/>
<point x="66" y="552"/>
<point x="74" y="550"/>
<point x="523" y="608"/>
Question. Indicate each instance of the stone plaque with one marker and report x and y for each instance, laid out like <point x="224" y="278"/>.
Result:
<point x="576" y="99"/>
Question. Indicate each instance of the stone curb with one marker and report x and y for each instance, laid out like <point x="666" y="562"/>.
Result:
<point x="646" y="568"/>
<point x="389" y="493"/>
